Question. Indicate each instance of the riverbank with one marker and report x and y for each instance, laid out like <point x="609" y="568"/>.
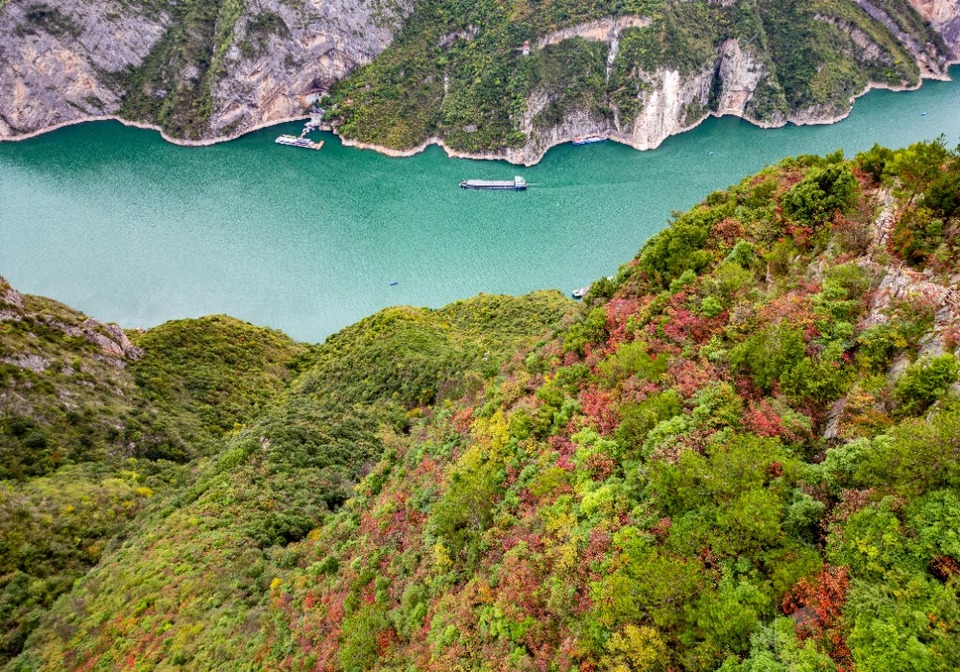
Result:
<point x="518" y="156"/>
<point x="207" y="142"/>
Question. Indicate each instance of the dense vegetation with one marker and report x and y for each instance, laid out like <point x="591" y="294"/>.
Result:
<point x="102" y="438"/>
<point x="739" y="454"/>
<point x="173" y="87"/>
<point x="456" y="71"/>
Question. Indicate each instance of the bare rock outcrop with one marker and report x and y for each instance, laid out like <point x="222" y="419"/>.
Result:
<point x="70" y="61"/>
<point x="308" y="46"/>
<point x="670" y="101"/>
<point x="602" y="30"/>
<point x="53" y="58"/>
<point x="111" y="340"/>
<point x="944" y="16"/>
<point x="665" y="103"/>
<point x="9" y="297"/>
<point x="932" y="64"/>
<point x="739" y="75"/>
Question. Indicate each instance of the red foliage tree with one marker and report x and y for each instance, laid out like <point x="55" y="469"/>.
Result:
<point x="619" y="312"/>
<point x="816" y="606"/>
<point x="597" y="406"/>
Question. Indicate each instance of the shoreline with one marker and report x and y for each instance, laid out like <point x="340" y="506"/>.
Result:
<point x="513" y="157"/>
<point x="624" y="139"/>
<point x="152" y="127"/>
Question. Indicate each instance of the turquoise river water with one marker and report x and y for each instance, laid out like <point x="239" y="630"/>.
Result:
<point x="128" y="228"/>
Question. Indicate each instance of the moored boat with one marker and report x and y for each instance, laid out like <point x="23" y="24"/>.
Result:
<point x="589" y="140"/>
<point x="294" y="141"/>
<point x="580" y="293"/>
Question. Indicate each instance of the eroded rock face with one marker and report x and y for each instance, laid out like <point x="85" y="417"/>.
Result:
<point x="580" y="122"/>
<point x="111" y="339"/>
<point x="944" y="15"/>
<point x="673" y="101"/>
<point x="55" y="58"/>
<point x="306" y="46"/>
<point x="70" y="60"/>
<point x="670" y="103"/>
<point x="931" y="62"/>
<point x="739" y="74"/>
<point x="9" y="297"/>
<point x="665" y="106"/>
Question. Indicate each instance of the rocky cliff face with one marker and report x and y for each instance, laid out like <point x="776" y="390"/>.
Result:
<point x="52" y="60"/>
<point x="309" y="46"/>
<point x="231" y="68"/>
<point x="672" y="101"/>
<point x="944" y="15"/>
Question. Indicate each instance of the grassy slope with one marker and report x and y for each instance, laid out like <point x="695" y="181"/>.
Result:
<point x="652" y="489"/>
<point x="96" y="438"/>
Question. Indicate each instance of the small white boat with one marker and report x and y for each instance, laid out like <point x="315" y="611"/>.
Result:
<point x="294" y="141"/>
<point x="589" y="140"/>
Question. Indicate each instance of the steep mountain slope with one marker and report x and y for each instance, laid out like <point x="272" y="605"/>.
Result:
<point x="405" y="73"/>
<point x="91" y="438"/>
<point x="744" y="457"/>
<point x="739" y="454"/>
<point x="103" y="439"/>
<point x="637" y="72"/>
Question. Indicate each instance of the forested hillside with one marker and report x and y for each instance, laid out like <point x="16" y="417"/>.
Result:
<point x="640" y="70"/>
<point x="740" y="453"/>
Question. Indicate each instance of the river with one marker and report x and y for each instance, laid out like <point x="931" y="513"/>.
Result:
<point x="128" y="228"/>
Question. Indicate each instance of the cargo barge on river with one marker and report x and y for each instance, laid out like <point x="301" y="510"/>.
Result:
<point x="516" y="184"/>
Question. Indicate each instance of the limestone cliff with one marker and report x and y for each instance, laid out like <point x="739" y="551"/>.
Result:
<point x="210" y="71"/>
<point x="739" y="75"/>
<point x="944" y="15"/>
<point x="52" y="59"/>
<point x="312" y="46"/>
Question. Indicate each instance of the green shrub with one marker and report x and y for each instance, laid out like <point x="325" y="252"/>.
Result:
<point x="877" y="345"/>
<point x="711" y="306"/>
<point x="943" y="196"/>
<point x="592" y="329"/>
<point x="636" y="420"/>
<point x="874" y="162"/>
<point x="768" y="354"/>
<point x="924" y="382"/>
<point x="679" y="247"/>
<point x="743" y="253"/>
<point x="821" y="193"/>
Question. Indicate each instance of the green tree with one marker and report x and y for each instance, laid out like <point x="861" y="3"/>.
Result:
<point x="821" y="193"/>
